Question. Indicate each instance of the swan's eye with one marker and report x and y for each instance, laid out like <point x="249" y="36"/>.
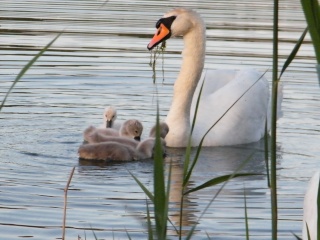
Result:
<point x="158" y="23"/>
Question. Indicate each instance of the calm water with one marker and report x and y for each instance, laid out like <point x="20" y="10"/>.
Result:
<point x="101" y="59"/>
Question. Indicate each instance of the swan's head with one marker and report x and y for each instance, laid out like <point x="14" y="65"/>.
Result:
<point x="177" y="22"/>
<point x="110" y="115"/>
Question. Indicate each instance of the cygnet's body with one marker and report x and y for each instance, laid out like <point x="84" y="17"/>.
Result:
<point x="131" y="128"/>
<point x="118" y="152"/>
<point x="98" y="138"/>
<point x="109" y="118"/>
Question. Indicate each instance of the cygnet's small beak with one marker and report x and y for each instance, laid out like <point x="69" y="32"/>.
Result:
<point x="109" y="123"/>
<point x="137" y="138"/>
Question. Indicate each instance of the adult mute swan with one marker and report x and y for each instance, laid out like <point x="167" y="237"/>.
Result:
<point x="244" y="123"/>
<point x="310" y="209"/>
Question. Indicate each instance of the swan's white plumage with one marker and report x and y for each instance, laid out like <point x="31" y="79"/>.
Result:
<point x="244" y="123"/>
<point x="310" y="210"/>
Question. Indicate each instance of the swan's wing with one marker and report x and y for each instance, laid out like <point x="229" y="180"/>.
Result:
<point x="213" y="80"/>
<point x="245" y="121"/>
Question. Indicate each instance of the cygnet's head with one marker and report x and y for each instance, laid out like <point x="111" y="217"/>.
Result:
<point x="132" y="128"/>
<point x="109" y="116"/>
<point x="164" y="129"/>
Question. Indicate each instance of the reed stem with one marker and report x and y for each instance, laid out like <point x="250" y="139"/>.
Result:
<point x="65" y="204"/>
<point x="273" y="155"/>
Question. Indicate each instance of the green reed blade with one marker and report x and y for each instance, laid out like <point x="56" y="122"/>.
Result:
<point x="266" y="152"/>
<point x="146" y="191"/>
<point x="298" y="238"/>
<point x="273" y="132"/>
<point x="293" y="52"/>
<point x="215" y="196"/>
<point x="128" y="235"/>
<point x="160" y="198"/>
<point x="311" y="10"/>
<point x="318" y="213"/>
<point x="218" y="180"/>
<point x="308" y="232"/>
<point x="27" y="67"/>
<point x="189" y="146"/>
<point x="186" y="179"/>
<point x="246" y="214"/>
<point x="150" y="232"/>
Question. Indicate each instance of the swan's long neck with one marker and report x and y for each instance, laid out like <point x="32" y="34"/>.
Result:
<point x="178" y="117"/>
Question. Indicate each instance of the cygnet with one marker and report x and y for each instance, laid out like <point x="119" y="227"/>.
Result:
<point x="164" y="129"/>
<point x="109" y="118"/>
<point x="118" y="152"/>
<point x="131" y="128"/>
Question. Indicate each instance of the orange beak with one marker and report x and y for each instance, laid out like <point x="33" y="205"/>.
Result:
<point x="162" y="34"/>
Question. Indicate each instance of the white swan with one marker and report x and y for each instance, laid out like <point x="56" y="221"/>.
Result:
<point x="310" y="210"/>
<point x="109" y="118"/>
<point x="244" y="123"/>
<point x="118" y="152"/>
<point x="131" y="128"/>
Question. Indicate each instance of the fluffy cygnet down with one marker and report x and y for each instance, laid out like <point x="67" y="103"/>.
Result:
<point x="164" y="129"/>
<point x="131" y="128"/>
<point x="118" y="152"/>
<point x="96" y="137"/>
<point x="109" y="118"/>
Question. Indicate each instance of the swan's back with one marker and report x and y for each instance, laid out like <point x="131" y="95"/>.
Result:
<point x="245" y="121"/>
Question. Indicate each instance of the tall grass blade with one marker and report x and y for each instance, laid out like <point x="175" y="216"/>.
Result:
<point x="208" y="236"/>
<point x="201" y="141"/>
<point x="160" y="198"/>
<point x="128" y="235"/>
<point x="150" y="232"/>
<point x="318" y="213"/>
<point x="146" y="191"/>
<point x="65" y="203"/>
<point x="293" y="52"/>
<point x="219" y="180"/>
<point x="27" y="67"/>
<point x="266" y="152"/>
<point x="273" y="155"/>
<point x="297" y="237"/>
<point x="311" y="10"/>
<point x="188" y="150"/>
<point x="215" y="196"/>
<point x="246" y="214"/>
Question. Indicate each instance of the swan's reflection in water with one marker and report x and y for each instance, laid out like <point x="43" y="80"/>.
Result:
<point x="214" y="162"/>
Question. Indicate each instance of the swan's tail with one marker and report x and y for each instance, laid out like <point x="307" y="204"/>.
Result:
<point x="279" y="106"/>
